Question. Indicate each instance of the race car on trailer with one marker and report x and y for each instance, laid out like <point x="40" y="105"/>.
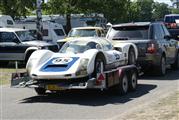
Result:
<point x="90" y="63"/>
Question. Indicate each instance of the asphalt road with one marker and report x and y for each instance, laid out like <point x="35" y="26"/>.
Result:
<point x="23" y="103"/>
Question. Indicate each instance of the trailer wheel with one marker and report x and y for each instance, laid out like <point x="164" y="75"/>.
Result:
<point x="123" y="85"/>
<point x="40" y="91"/>
<point x="133" y="81"/>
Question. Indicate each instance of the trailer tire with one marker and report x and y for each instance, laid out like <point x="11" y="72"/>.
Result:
<point x="133" y="81"/>
<point x="122" y="87"/>
<point x="40" y="91"/>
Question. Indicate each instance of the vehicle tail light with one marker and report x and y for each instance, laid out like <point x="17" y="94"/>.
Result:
<point x="171" y="25"/>
<point x="151" y="48"/>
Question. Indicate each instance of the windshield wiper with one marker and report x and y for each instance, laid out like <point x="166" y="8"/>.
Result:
<point x="120" y="38"/>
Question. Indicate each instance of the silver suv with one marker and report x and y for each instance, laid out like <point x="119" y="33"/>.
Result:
<point x="156" y="48"/>
<point x="19" y="44"/>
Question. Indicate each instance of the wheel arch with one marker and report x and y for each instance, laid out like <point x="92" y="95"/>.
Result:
<point x="29" y="50"/>
<point x="132" y="46"/>
<point x="101" y="55"/>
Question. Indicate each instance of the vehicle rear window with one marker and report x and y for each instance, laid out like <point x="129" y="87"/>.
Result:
<point x="59" y="32"/>
<point x="171" y="19"/>
<point x="9" y="22"/>
<point x="129" y="32"/>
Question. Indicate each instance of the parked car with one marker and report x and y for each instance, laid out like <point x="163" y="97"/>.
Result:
<point x="155" y="46"/>
<point x="82" y="32"/>
<point x="19" y="44"/>
<point x="172" y="23"/>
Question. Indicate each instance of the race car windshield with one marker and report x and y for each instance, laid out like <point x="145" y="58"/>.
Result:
<point x="77" y="47"/>
<point x="25" y="36"/>
<point x="82" y="33"/>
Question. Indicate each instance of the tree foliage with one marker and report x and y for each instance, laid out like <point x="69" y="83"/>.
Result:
<point x="160" y="10"/>
<point x="16" y="8"/>
<point x="116" y="11"/>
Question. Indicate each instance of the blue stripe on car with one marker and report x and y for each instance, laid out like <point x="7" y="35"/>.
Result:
<point x="51" y="67"/>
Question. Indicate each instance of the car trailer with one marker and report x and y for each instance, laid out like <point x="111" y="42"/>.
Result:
<point x="121" y="80"/>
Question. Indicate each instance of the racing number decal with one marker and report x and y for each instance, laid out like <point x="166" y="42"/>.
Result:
<point x="62" y="60"/>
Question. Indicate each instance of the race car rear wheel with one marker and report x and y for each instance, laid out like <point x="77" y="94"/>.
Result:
<point x="40" y="91"/>
<point x="131" y="57"/>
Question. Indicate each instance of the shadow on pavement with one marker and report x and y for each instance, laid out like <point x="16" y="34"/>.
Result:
<point x="90" y="97"/>
<point x="170" y="75"/>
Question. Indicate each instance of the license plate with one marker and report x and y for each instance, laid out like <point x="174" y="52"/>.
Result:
<point x="54" y="87"/>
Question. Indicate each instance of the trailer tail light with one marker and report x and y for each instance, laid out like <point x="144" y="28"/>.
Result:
<point x="151" y="48"/>
<point x="100" y="78"/>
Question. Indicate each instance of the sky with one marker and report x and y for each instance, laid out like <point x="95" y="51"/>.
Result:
<point x="164" y="1"/>
<point x="160" y="1"/>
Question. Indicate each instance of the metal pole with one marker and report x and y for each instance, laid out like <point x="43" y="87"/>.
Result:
<point x="39" y="20"/>
<point x="16" y="66"/>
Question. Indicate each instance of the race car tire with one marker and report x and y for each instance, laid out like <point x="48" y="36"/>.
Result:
<point x="40" y="91"/>
<point x="133" y="81"/>
<point x="131" y="56"/>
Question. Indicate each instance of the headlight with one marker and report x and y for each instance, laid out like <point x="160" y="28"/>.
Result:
<point x="82" y="69"/>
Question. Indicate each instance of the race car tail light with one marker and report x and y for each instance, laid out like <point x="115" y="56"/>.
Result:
<point x="151" y="48"/>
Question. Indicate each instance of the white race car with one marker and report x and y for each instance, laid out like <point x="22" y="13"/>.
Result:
<point x="78" y="58"/>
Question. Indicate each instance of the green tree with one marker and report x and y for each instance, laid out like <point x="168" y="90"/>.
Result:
<point x="133" y="12"/>
<point x="145" y="9"/>
<point x="17" y="8"/>
<point x="114" y="10"/>
<point x="160" y="10"/>
<point x="64" y="7"/>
